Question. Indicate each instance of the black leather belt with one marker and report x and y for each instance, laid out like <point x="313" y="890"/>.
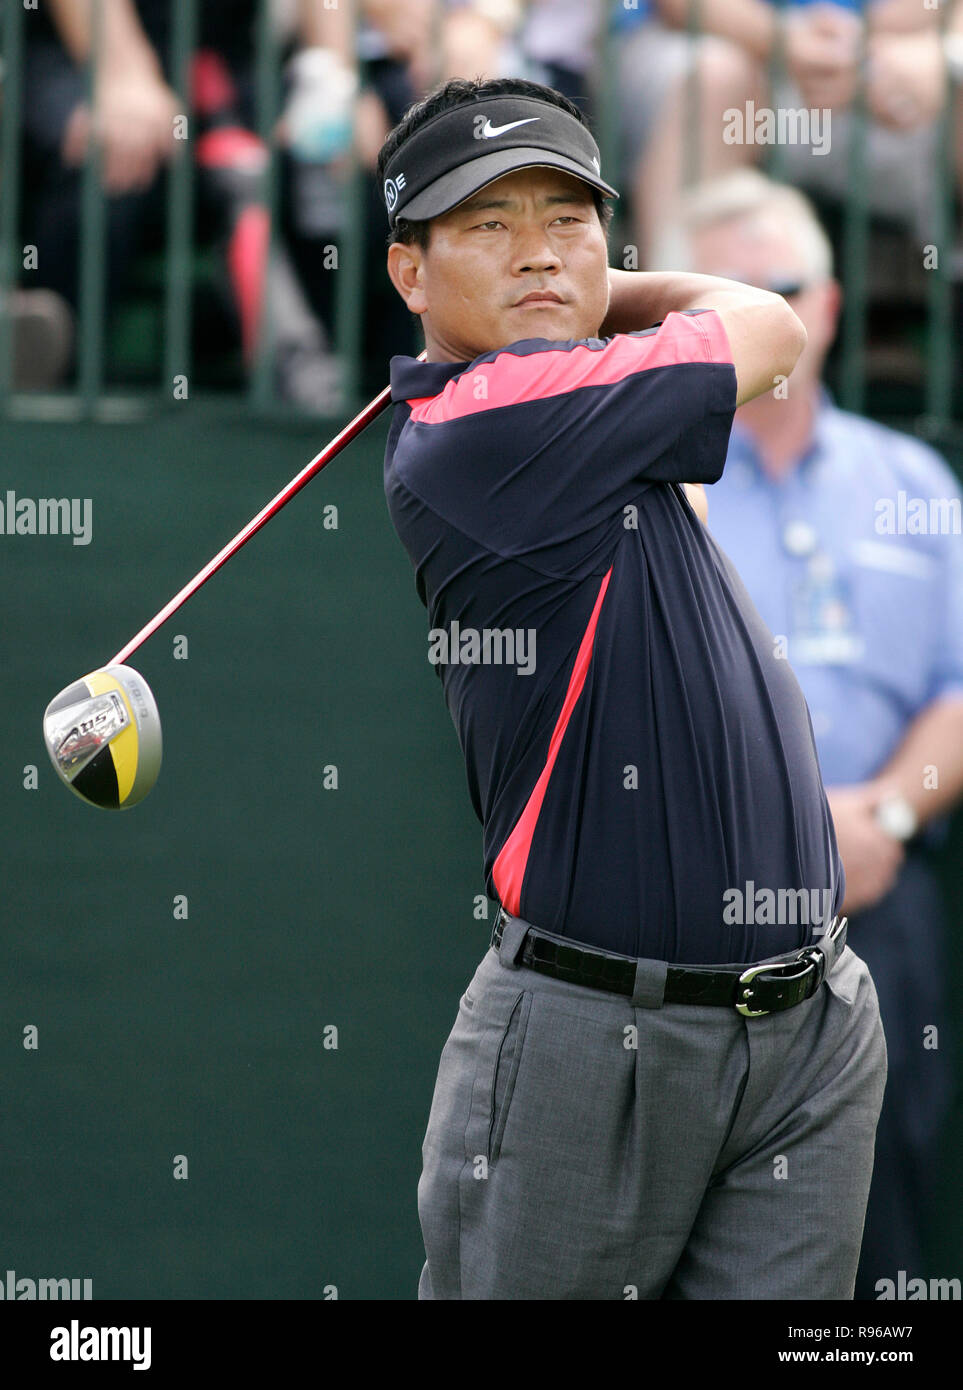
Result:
<point x="752" y="990"/>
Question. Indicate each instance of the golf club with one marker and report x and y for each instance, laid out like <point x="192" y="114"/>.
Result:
<point x="103" y="732"/>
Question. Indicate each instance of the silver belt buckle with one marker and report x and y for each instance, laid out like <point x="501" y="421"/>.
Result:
<point x="749" y="975"/>
<point x="813" y="955"/>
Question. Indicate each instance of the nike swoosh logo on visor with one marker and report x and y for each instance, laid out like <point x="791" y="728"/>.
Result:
<point x="489" y="131"/>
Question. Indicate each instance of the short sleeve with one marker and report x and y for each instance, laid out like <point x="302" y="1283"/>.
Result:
<point x="543" y="443"/>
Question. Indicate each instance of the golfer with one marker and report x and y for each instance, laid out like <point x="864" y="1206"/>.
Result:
<point x="664" y="1078"/>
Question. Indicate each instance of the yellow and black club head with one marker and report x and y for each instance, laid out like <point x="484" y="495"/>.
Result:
<point x="103" y="735"/>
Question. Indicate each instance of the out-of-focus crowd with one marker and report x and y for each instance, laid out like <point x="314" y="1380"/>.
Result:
<point x="684" y="104"/>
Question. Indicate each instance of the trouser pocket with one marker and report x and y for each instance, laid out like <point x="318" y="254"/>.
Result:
<point x="506" y="1070"/>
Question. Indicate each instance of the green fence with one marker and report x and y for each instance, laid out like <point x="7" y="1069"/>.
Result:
<point x="91" y="399"/>
<point x="937" y="414"/>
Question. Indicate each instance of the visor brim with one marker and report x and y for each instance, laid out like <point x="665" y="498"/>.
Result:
<point x="454" y="187"/>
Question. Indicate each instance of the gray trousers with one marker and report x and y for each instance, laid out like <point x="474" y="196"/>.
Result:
<point x="582" y="1145"/>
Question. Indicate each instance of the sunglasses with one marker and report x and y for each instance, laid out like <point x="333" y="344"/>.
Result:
<point x="787" y="288"/>
<point x="783" y="285"/>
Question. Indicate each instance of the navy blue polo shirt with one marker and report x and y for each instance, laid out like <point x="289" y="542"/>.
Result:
<point x="639" y="755"/>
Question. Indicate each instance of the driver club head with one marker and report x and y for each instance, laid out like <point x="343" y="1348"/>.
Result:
<point x="103" y="735"/>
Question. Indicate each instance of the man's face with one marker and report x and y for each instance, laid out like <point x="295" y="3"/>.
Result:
<point x="758" y="250"/>
<point x="535" y="231"/>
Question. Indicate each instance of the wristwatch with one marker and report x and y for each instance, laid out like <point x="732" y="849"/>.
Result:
<point x="897" y="817"/>
<point x="953" y="53"/>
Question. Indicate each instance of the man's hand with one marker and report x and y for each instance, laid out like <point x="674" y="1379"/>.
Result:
<point x="135" y="122"/>
<point x="871" y="858"/>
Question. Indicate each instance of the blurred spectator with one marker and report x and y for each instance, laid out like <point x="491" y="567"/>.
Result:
<point x="557" y="43"/>
<point x="409" y="46"/>
<point x="42" y="337"/>
<point x="406" y="47"/>
<point x="870" y="612"/>
<point x="822" y="47"/>
<point x="136" y="112"/>
<point x="41" y="326"/>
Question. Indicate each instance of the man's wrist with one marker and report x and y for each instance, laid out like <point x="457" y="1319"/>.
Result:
<point x="952" y="44"/>
<point x="893" y="810"/>
<point x="897" y="817"/>
<point x="639" y="299"/>
<point x="133" y="65"/>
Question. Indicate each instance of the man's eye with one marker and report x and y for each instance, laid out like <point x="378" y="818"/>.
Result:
<point x="483" y="225"/>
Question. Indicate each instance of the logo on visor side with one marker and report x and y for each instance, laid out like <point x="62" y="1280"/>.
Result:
<point x="489" y="131"/>
<point x="393" y="189"/>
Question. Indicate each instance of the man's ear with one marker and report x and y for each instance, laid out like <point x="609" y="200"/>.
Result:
<point x="406" y="271"/>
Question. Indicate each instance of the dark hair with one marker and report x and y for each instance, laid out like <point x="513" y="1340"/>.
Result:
<point x="462" y="91"/>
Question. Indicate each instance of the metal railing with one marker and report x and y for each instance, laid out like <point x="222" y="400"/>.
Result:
<point x="853" y="267"/>
<point x="89" y="398"/>
<point x="12" y="16"/>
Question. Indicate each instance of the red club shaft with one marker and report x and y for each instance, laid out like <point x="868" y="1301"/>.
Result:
<point x="350" y="432"/>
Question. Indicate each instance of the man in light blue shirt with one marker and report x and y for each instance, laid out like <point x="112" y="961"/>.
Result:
<point x="849" y="538"/>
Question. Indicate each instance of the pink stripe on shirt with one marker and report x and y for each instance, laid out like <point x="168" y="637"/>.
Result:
<point x="512" y="379"/>
<point x="508" y="870"/>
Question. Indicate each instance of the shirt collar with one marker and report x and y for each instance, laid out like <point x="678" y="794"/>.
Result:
<point x="414" y="380"/>
<point x="744" y="445"/>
